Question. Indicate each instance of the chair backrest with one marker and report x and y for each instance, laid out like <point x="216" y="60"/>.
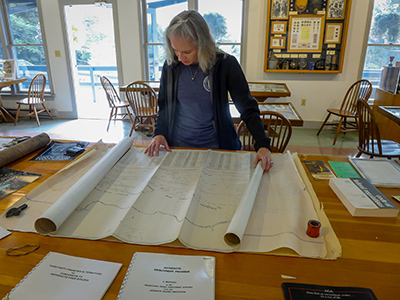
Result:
<point x="36" y="88"/>
<point x="142" y="99"/>
<point x="359" y="89"/>
<point x="369" y="140"/>
<point x="112" y="95"/>
<point x="277" y="127"/>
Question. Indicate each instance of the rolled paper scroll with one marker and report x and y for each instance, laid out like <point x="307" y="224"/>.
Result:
<point x="52" y="218"/>
<point x="237" y="226"/>
<point x="17" y="151"/>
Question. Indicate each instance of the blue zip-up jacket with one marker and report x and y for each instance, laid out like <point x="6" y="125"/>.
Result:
<point x="225" y="76"/>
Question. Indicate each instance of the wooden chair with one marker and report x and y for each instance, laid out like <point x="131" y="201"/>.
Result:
<point x="143" y="101"/>
<point x="278" y="128"/>
<point x="35" y="97"/>
<point x="118" y="107"/>
<point x="369" y="140"/>
<point x="359" y="89"/>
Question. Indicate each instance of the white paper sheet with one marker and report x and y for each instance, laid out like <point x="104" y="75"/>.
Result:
<point x="158" y="276"/>
<point x="63" y="277"/>
<point x="4" y="232"/>
<point x="42" y="197"/>
<point x="52" y="219"/>
<point x="225" y="178"/>
<point x="190" y="195"/>
<point x="157" y="215"/>
<point x="281" y="213"/>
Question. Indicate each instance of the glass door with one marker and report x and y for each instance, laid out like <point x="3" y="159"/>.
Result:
<point x="89" y="29"/>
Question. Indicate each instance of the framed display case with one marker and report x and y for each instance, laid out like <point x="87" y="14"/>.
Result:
<point x="278" y="27"/>
<point x="306" y="36"/>
<point x="285" y="108"/>
<point x="263" y="90"/>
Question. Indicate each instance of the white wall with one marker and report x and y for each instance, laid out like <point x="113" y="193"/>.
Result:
<point x="130" y="40"/>
<point x="63" y="98"/>
<point x="321" y="91"/>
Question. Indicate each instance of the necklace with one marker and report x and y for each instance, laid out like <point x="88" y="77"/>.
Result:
<point x="195" y="73"/>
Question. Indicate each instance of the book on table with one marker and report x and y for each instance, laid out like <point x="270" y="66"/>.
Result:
<point x="164" y="276"/>
<point x="301" y="291"/>
<point x="344" y="169"/>
<point x="362" y="198"/>
<point x="318" y="169"/>
<point x="380" y="172"/>
<point x="64" y="277"/>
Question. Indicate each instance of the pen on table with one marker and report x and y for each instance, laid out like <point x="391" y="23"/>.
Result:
<point x="15" y="211"/>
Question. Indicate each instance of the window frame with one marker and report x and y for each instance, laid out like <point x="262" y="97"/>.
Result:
<point x="8" y="47"/>
<point x="368" y="44"/>
<point x="192" y="5"/>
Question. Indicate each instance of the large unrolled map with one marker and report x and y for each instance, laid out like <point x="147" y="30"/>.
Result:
<point x="202" y="199"/>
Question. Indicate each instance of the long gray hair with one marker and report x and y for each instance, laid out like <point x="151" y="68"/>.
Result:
<point x="191" y="26"/>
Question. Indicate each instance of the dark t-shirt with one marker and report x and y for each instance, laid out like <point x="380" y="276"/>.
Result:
<point x="194" y="126"/>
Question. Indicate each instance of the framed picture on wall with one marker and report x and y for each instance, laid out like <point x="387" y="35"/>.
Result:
<point x="278" y="42"/>
<point x="278" y="27"/>
<point x="306" y="36"/>
<point x="335" y="9"/>
<point x="333" y="33"/>
<point x="279" y="9"/>
<point x="306" y="33"/>
<point x="9" y="69"/>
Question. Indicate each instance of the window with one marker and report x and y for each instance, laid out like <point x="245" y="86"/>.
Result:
<point x="21" y="40"/>
<point x="225" y="25"/>
<point x="384" y="40"/>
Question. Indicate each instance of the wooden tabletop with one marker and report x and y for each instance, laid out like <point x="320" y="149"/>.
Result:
<point x="370" y="251"/>
<point x="7" y="82"/>
<point x="4" y="113"/>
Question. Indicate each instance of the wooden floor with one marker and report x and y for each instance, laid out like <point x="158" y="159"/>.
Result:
<point x="92" y="130"/>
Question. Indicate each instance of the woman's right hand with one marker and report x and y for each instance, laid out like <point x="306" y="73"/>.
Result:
<point x="154" y="147"/>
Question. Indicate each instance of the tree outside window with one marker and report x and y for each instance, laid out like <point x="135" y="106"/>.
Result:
<point x="225" y="26"/>
<point x="23" y="39"/>
<point x="384" y="39"/>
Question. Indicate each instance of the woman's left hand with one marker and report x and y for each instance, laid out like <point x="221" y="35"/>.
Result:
<point x="264" y="155"/>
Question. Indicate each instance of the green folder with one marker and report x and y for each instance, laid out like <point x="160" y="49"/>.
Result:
<point x="344" y="169"/>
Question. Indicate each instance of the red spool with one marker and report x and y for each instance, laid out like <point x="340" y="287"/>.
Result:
<point x="313" y="228"/>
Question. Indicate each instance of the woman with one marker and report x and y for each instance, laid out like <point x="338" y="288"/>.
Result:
<point x="193" y="96"/>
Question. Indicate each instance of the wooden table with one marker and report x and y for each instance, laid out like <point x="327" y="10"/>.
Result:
<point x="285" y="108"/>
<point x="260" y="90"/>
<point x="391" y="112"/>
<point x="370" y="247"/>
<point x="388" y="129"/>
<point x="5" y="114"/>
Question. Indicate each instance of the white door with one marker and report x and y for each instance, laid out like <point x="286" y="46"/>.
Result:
<point x="89" y="31"/>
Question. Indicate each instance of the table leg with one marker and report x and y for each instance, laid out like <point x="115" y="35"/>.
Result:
<point x="5" y="113"/>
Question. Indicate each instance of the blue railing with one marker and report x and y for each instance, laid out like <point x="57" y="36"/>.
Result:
<point x="30" y="72"/>
<point x="374" y="76"/>
<point x="90" y="76"/>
